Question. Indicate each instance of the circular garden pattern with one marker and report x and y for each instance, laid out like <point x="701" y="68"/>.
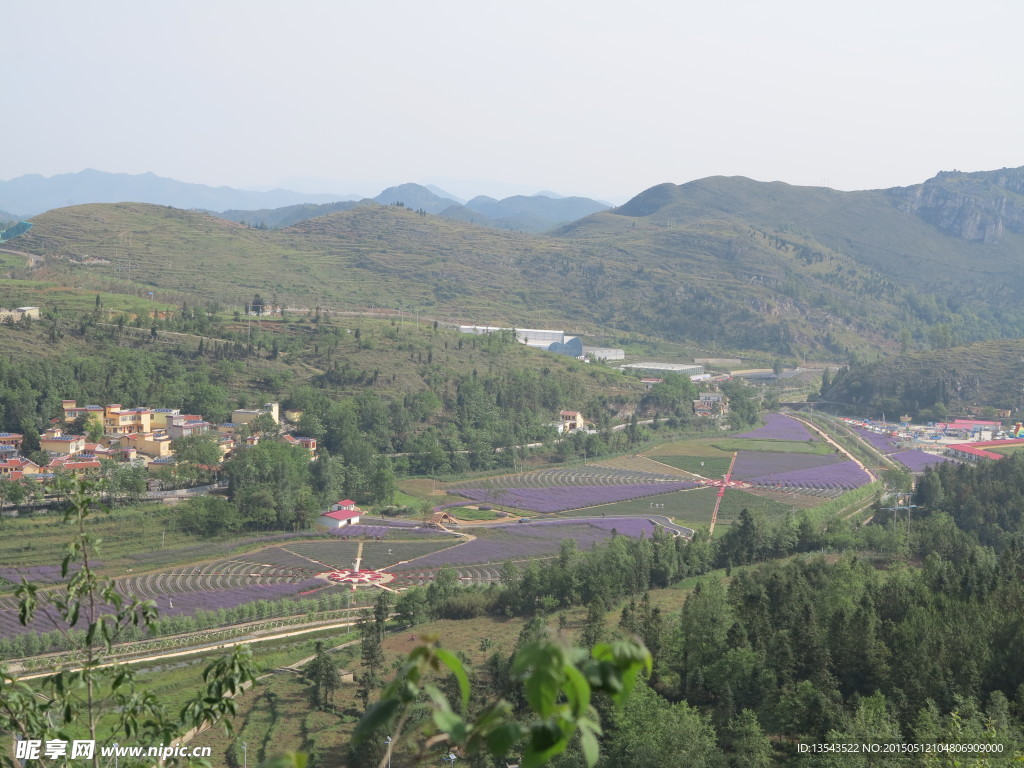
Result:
<point x="362" y="577"/>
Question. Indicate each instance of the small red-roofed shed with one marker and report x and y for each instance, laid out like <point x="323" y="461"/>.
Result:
<point x="341" y="514"/>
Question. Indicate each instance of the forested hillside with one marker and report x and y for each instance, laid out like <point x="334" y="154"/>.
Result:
<point x="905" y="635"/>
<point x="731" y="263"/>
<point x="930" y="386"/>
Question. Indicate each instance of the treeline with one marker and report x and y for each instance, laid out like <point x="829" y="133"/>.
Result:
<point x="986" y="500"/>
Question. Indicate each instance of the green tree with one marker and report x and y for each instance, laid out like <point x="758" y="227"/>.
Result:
<point x="323" y="675"/>
<point x="651" y="732"/>
<point x="371" y="653"/>
<point x="749" y="747"/>
<point x="383" y="482"/>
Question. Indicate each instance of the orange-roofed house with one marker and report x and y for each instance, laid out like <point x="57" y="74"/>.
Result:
<point x="15" y="467"/>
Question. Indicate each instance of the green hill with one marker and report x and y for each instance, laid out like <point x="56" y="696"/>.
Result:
<point x="729" y="263"/>
<point x="974" y="378"/>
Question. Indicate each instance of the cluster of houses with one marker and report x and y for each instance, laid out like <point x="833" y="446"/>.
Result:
<point x="139" y="436"/>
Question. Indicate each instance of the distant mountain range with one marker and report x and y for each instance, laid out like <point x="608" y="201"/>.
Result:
<point x="536" y="214"/>
<point x="32" y="194"/>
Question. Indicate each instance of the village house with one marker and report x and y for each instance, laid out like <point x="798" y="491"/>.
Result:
<point x="711" y="404"/>
<point x="156" y="445"/>
<point x="246" y="415"/>
<point x="571" y="421"/>
<point x="78" y="465"/>
<point x="15" y="467"/>
<point x="56" y="443"/>
<point x="164" y="462"/>
<point x="115" y="419"/>
<point x="186" y="425"/>
<point x="309" y="443"/>
<point x="161" y="417"/>
<point x="341" y="514"/>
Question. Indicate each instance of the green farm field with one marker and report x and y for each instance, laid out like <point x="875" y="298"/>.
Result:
<point x="1007" y="450"/>
<point x="776" y="446"/>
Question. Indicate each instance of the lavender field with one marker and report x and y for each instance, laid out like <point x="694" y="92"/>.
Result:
<point x="917" y="461"/>
<point x="587" y="475"/>
<point x="881" y="443"/>
<point x="41" y="574"/>
<point x="169" y="605"/>
<point x="757" y="464"/>
<point x="560" y="499"/>
<point x="844" y="476"/>
<point x="523" y="541"/>
<point x="778" y="426"/>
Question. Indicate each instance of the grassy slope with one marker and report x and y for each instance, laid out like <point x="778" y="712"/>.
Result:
<point x="784" y="265"/>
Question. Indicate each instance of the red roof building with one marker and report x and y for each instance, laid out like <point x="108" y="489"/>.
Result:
<point x="341" y="514"/>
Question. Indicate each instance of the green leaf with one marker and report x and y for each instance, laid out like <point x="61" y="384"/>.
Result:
<point x="588" y="743"/>
<point x="577" y="691"/>
<point x="374" y="718"/>
<point x="455" y="666"/>
<point x="450" y="723"/>
<point x="501" y="738"/>
<point x="288" y="760"/>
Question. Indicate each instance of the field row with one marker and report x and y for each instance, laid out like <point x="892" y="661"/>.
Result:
<point x="586" y="476"/>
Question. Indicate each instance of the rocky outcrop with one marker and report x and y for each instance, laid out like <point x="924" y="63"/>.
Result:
<point x="979" y="207"/>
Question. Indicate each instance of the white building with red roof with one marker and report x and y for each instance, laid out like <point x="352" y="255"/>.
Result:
<point x="341" y="514"/>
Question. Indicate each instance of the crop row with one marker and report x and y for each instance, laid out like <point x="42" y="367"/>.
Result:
<point x="917" y="461"/>
<point x="759" y="464"/>
<point x="523" y="541"/>
<point x="41" y="574"/>
<point x="186" y="581"/>
<point x="882" y="443"/>
<point x="479" y="574"/>
<point x="394" y="529"/>
<point x="315" y="555"/>
<point x="778" y="426"/>
<point x="578" y="476"/>
<point x="559" y="499"/>
<point x="843" y="476"/>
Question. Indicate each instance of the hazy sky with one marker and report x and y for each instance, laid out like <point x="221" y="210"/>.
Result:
<point x="587" y="98"/>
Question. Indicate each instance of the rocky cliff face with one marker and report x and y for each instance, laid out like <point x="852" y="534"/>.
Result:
<point x="979" y="207"/>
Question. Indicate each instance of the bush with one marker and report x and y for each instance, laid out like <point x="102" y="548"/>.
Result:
<point x="465" y="605"/>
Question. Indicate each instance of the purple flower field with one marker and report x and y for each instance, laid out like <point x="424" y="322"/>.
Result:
<point x="917" y="461"/>
<point x="559" y="499"/>
<point x="881" y="443"/>
<point x="361" y="531"/>
<point x="845" y="475"/>
<point x="44" y="574"/>
<point x="185" y="604"/>
<point x="778" y="426"/>
<point x="758" y="464"/>
<point x="626" y="526"/>
<point x="529" y="540"/>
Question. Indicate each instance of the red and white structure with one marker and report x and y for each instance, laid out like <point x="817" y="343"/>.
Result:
<point x="341" y="514"/>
